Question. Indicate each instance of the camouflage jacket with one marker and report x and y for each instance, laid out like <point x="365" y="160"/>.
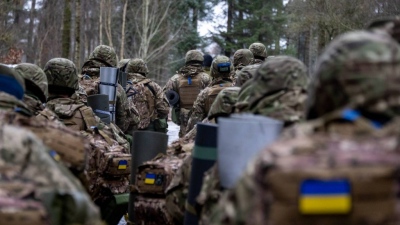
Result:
<point x="200" y="110"/>
<point x="126" y="114"/>
<point x="246" y="74"/>
<point x="34" y="104"/>
<point x="304" y="146"/>
<point x="148" y="98"/>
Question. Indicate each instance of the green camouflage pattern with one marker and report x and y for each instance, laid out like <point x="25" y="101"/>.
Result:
<point x="214" y="67"/>
<point x="247" y="73"/>
<point x="61" y="72"/>
<point x="34" y="104"/>
<point x="193" y="70"/>
<point x="194" y="55"/>
<point x="358" y="69"/>
<point x="5" y="70"/>
<point x="258" y="50"/>
<point x="278" y="90"/>
<point x="34" y="73"/>
<point x="209" y="195"/>
<point x="224" y="104"/>
<point x="122" y="63"/>
<point x="353" y="63"/>
<point x="148" y="105"/>
<point x="25" y="158"/>
<point x="199" y="111"/>
<point x="104" y="54"/>
<point x="137" y="66"/>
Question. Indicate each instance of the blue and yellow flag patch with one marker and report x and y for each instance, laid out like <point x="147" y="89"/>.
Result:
<point x="150" y="178"/>
<point x="122" y="164"/>
<point x="55" y="155"/>
<point x="325" y="197"/>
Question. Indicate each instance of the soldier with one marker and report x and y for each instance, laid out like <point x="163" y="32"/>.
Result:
<point x="188" y="83"/>
<point x="278" y="90"/>
<point x="105" y="56"/>
<point x="221" y="70"/>
<point x="109" y="145"/>
<point x="147" y="97"/>
<point x="241" y="58"/>
<point x="26" y="159"/>
<point x="178" y="189"/>
<point x="36" y="92"/>
<point x="352" y="118"/>
<point x="207" y="63"/>
<point x="391" y="25"/>
<point x="260" y="53"/>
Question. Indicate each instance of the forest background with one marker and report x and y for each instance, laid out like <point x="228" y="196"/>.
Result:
<point x="162" y="31"/>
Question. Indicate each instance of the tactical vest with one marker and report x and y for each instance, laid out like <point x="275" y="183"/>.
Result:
<point x="189" y="88"/>
<point x="143" y="96"/>
<point x="212" y="94"/>
<point x="152" y="180"/>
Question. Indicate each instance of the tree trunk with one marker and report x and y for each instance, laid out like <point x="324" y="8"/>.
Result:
<point x="229" y="26"/>
<point x="30" y="53"/>
<point x="121" y="52"/>
<point x="101" y="22"/>
<point x="108" y="27"/>
<point x="66" y="38"/>
<point x="77" y="33"/>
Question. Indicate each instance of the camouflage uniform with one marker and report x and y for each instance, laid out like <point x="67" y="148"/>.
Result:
<point x="104" y="56"/>
<point x="36" y="91"/>
<point x="278" y="90"/>
<point x="352" y="118"/>
<point x="204" y="100"/>
<point x="147" y="97"/>
<point x="193" y="70"/>
<point x="179" y="187"/>
<point x="24" y="158"/>
<point x="286" y="73"/>
<point x="260" y="53"/>
<point x="61" y="74"/>
<point x="241" y="59"/>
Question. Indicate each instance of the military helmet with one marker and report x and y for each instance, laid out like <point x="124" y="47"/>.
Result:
<point x="122" y="63"/>
<point x="61" y="73"/>
<point x="258" y="50"/>
<point x="194" y="56"/>
<point x="242" y="57"/>
<point x="105" y="54"/>
<point x="11" y="82"/>
<point x="391" y="25"/>
<point x="358" y="70"/>
<point x="137" y="66"/>
<point x="221" y="67"/>
<point x="35" y="74"/>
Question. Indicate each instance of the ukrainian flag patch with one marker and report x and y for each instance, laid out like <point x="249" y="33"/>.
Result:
<point x="122" y="164"/>
<point x="150" y="178"/>
<point x="55" y="155"/>
<point x="325" y="197"/>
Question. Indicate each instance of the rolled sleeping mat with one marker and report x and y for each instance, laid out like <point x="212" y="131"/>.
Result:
<point x="99" y="104"/>
<point x="146" y="145"/>
<point x="108" y="86"/>
<point x="204" y="157"/>
<point x="173" y="97"/>
<point x="233" y="152"/>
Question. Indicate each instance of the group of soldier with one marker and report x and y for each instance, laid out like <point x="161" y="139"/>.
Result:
<point x="336" y="161"/>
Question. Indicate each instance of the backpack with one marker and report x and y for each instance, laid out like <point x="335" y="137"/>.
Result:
<point x="188" y="89"/>
<point x="143" y="95"/>
<point x="339" y="181"/>
<point x="212" y="94"/>
<point x="152" y="179"/>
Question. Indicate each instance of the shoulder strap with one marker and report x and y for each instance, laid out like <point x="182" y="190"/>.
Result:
<point x="151" y="89"/>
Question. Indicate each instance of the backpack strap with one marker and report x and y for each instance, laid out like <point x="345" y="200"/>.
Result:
<point x="90" y="122"/>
